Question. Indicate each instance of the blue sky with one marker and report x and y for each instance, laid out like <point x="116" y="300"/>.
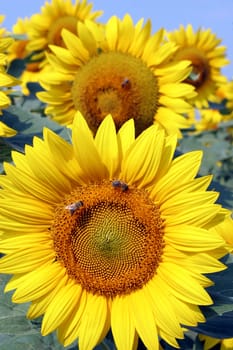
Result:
<point x="214" y="14"/>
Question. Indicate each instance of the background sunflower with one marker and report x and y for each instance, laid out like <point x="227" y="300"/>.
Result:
<point x="119" y="68"/>
<point x="202" y="48"/>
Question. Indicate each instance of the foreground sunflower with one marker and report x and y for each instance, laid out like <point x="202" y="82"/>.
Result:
<point x="207" y="57"/>
<point x="121" y="69"/>
<point x="6" y="81"/>
<point x="107" y="236"/>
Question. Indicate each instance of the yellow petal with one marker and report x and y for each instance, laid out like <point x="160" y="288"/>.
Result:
<point x="112" y="33"/>
<point x="89" y="160"/>
<point x="6" y="131"/>
<point x="126" y="136"/>
<point x="60" y="307"/>
<point x="143" y="158"/>
<point x="126" y="33"/>
<point x="87" y="38"/>
<point x="121" y="323"/>
<point x="68" y="331"/>
<point x="25" y="260"/>
<point x="45" y="278"/>
<point x="193" y="239"/>
<point x="75" y="45"/>
<point x="184" y="168"/>
<point x="164" y="313"/>
<point x="143" y="318"/>
<point x="183" y="285"/>
<point x="93" y="322"/>
<point x="107" y="145"/>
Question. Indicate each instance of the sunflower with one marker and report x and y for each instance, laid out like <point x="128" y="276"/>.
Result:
<point x="211" y="343"/>
<point x="6" y="81"/>
<point x="45" y="27"/>
<point x="225" y="92"/>
<point x="207" y="57"/>
<point x="118" y="69"/>
<point x="107" y="236"/>
<point x="220" y="111"/>
<point x="34" y="63"/>
<point x="209" y="119"/>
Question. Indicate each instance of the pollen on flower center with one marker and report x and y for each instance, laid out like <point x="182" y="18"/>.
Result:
<point x="54" y="33"/>
<point x="118" y="84"/>
<point x="111" y="241"/>
<point x="200" y="67"/>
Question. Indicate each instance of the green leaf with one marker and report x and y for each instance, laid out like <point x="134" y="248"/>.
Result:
<point x="16" y="331"/>
<point x="28" y="125"/>
<point x="17" y="67"/>
<point x="5" y="154"/>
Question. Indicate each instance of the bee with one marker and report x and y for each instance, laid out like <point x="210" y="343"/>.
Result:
<point x="126" y="84"/>
<point x="120" y="184"/>
<point x="74" y="206"/>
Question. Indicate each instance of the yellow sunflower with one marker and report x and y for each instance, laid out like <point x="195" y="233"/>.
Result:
<point x="107" y="236"/>
<point x="45" y="27"/>
<point x="207" y="57"/>
<point x="225" y="92"/>
<point x="220" y="111"/>
<point x="118" y="69"/>
<point x="18" y="50"/>
<point x="6" y="81"/>
<point x="210" y="343"/>
<point x="209" y="119"/>
<point x="3" y="30"/>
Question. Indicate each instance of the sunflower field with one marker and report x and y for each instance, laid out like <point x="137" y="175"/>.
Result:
<point x="116" y="184"/>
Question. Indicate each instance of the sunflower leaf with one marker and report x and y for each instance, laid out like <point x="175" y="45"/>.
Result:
<point x="219" y="316"/>
<point x="217" y="152"/>
<point x="17" y="67"/>
<point x="5" y="154"/>
<point x="217" y="327"/>
<point x="225" y="194"/>
<point x="28" y="125"/>
<point x="18" y="332"/>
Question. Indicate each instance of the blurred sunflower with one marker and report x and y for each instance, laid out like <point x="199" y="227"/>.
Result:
<point x="45" y="27"/>
<point x="212" y="343"/>
<point x="225" y="92"/>
<point x="6" y="81"/>
<point x="34" y="63"/>
<point x="119" y="69"/>
<point x="107" y="236"/>
<point x="207" y="57"/>
<point x="220" y="111"/>
<point x="209" y="119"/>
<point x="3" y="30"/>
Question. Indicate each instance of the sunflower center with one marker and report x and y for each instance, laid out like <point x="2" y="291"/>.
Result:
<point x="110" y="239"/>
<point x="54" y="34"/>
<point x="118" y="84"/>
<point x="200" y="67"/>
